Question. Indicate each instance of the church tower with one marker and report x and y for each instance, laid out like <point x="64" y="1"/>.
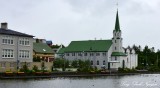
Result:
<point x="117" y="39"/>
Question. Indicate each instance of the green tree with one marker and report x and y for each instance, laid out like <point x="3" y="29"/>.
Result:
<point x="35" y="68"/>
<point x="75" y="64"/>
<point x="24" y="68"/>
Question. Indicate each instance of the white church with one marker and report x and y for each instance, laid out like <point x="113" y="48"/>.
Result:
<point x="109" y="54"/>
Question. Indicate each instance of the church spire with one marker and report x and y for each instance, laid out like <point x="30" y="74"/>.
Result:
<point x="117" y="26"/>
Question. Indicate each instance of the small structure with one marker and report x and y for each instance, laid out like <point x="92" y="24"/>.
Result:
<point x="43" y="52"/>
<point x="49" y="42"/>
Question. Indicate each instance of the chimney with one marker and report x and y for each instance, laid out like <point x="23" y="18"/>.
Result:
<point x="4" y="25"/>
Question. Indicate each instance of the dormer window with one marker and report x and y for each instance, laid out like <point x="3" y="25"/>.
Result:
<point x="44" y="50"/>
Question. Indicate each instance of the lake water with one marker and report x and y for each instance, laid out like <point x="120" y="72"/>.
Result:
<point x="131" y="81"/>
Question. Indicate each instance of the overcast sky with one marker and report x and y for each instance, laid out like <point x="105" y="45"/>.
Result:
<point x="63" y="21"/>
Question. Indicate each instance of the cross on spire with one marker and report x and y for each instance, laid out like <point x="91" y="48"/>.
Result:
<point x="117" y="4"/>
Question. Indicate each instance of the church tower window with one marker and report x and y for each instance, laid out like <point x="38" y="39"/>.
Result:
<point x="98" y="62"/>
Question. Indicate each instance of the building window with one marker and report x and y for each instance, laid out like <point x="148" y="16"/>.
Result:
<point x="115" y="48"/>
<point x="67" y="54"/>
<point x="73" y="54"/>
<point x="24" y="41"/>
<point x="97" y="62"/>
<point x="104" y="54"/>
<point x="115" y="41"/>
<point x="7" y="53"/>
<point x="97" y="54"/>
<point x="24" y="54"/>
<point x="79" y="54"/>
<point x="115" y="58"/>
<point x="104" y="63"/>
<point x="7" y="40"/>
<point x="85" y="54"/>
<point x="91" y="62"/>
<point x="91" y="54"/>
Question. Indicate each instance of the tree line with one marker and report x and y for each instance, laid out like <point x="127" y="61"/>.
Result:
<point x="148" y="58"/>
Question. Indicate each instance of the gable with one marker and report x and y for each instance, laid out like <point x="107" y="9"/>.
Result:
<point x="42" y="48"/>
<point x="89" y="46"/>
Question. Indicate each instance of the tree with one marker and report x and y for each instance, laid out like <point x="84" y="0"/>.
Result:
<point x="75" y="64"/>
<point x="24" y="68"/>
<point x="35" y="68"/>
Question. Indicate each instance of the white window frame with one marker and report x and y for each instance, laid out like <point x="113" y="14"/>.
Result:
<point x="25" y="54"/>
<point x="104" y="54"/>
<point x="91" y="54"/>
<point x="8" y="40"/>
<point x="97" y="54"/>
<point x="24" y="41"/>
<point x="7" y="53"/>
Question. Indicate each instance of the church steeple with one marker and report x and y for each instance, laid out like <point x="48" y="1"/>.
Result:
<point x="117" y="26"/>
<point x="117" y="39"/>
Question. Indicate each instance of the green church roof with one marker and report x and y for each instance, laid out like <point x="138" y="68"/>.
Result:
<point x="117" y="25"/>
<point x="42" y="48"/>
<point x="118" y="54"/>
<point x="89" y="46"/>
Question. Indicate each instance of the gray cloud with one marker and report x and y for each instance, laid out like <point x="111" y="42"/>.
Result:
<point x="65" y="20"/>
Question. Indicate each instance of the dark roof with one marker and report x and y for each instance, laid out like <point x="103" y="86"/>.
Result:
<point x="42" y="48"/>
<point x="89" y="46"/>
<point x="12" y="32"/>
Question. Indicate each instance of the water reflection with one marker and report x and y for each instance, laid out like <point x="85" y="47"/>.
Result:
<point x="134" y="81"/>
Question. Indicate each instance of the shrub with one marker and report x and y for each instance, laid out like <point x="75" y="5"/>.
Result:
<point x="35" y="68"/>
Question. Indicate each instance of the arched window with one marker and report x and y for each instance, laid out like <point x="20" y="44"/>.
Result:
<point x="115" y="41"/>
<point x="115" y="48"/>
<point x="98" y="62"/>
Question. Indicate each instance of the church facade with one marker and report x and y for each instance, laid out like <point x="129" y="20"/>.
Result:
<point x="109" y="54"/>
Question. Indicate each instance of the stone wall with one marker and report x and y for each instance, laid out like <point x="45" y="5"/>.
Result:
<point x="12" y="66"/>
